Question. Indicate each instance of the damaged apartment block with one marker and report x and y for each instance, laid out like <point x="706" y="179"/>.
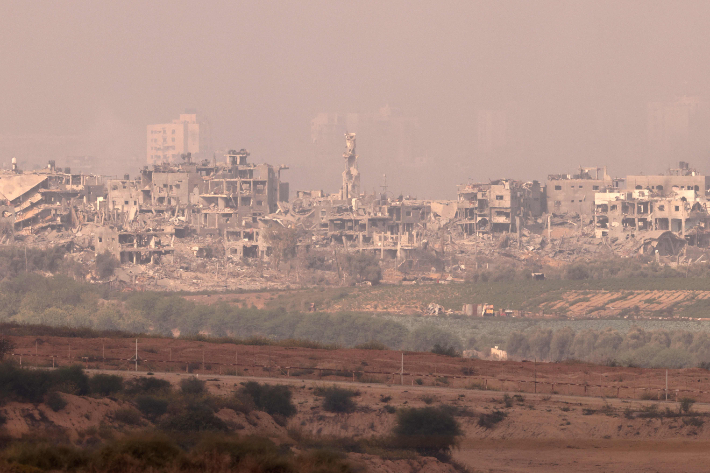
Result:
<point x="142" y="247"/>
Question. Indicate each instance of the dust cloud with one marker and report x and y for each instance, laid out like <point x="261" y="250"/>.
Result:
<point x="438" y="92"/>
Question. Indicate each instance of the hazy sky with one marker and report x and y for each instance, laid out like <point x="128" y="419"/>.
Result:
<point x="573" y="79"/>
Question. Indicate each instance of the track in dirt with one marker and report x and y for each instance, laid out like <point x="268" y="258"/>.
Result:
<point x="369" y="366"/>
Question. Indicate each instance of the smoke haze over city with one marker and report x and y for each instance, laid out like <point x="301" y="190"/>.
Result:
<point x="437" y="92"/>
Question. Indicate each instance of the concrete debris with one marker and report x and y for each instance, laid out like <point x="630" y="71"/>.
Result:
<point x="227" y="225"/>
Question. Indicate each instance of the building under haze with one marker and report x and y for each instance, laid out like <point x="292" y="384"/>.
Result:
<point x="167" y="142"/>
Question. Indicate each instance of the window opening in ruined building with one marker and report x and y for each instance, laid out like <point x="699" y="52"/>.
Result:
<point x="677" y="208"/>
<point x="595" y="188"/>
<point x="661" y="208"/>
<point x="580" y="187"/>
<point x="558" y="188"/>
<point x="499" y="197"/>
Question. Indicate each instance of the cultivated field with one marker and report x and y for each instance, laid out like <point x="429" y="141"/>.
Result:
<point x="656" y="297"/>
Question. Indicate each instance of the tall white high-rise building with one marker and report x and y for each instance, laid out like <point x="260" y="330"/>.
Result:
<point x="168" y="141"/>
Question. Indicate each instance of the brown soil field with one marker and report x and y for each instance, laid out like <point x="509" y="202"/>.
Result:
<point x="572" y="423"/>
<point x="413" y="300"/>
<point x="610" y="303"/>
<point x="363" y="366"/>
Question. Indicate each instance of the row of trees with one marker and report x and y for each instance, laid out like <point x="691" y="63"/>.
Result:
<point x="62" y="302"/>
<point x="637" y="347"/>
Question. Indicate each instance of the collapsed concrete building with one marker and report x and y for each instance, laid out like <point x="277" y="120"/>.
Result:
<point x="49" y="198"/>
<point x="675" y="202"/>
<point x="574" y="193"/>
<point x="224" y="199"/>
<point x="498" y="206"/>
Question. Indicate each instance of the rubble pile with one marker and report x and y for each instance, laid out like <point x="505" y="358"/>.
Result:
<point x="230" y="225"/>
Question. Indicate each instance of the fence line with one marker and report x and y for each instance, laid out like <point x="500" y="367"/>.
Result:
<point x="476" y="381"/>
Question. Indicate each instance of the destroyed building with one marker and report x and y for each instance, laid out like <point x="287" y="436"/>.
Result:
<point x="47" y="198"/>
<point x="139" y="247"/>
<point x="574" y="193"/>
<point x="681" y="178"/>
<point x="675" y="202"/>
<point x="498" y="206"/>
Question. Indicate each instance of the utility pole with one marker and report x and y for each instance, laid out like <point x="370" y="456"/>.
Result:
<point x="136" y="354"/>
<point x="666" y="385"/>
<point x="535" y="374"/>
<point x="401" y="371"/>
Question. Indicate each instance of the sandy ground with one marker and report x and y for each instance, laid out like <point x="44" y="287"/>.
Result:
<point x="541" y="433"/>
<point x="557" y="429"/>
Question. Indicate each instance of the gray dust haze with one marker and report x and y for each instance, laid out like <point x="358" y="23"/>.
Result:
<point x="437" y="92"/>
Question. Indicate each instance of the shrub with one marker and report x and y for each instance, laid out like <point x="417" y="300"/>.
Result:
<point x="272" y="399"/>
<point x="192" y="386"/>
<point x="427" y="399"/>
<point x="251" y="453"/>
<point x="418" y="381"/>
<point x="72" y="380"/>
<point x="198" y="420"/>
<point x="55" y="401"/>
<point x="24" y="385"/>
<point x="364" y="267"/>
<point x="693" y="421"/>
<point x="106" y="265"/>
<point x="686" y="403"/>
<point x="337" y="399"/>
<point x="138" y="453"/>
<point x="429" y="430"/>
<point x="151" y="407"/>
<point x="6" y="347"/>
<point x="105" y="384"/>
<point x="45" y="457"/>
<point x="143" y="385"/>
<point x="488" y="421"/>
<point x="127" y="416"/>
<point x="445" y="350"/>
<point x="390" y="409"/>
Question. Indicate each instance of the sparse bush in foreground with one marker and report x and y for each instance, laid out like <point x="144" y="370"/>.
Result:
<point x="429" y="430"/>
<point x="488" y="421"/>
<point x="144" y="385"/>
<point x="337" y="399"/>
<point x="198" y="420"/>
<point x="105" y="384"/>
<point x="192" y="386"/>
<point x="272" y="399"/>
<point x="55" y="401"/>
<point x="127" y="416"/>
<point x="151" y="407"/>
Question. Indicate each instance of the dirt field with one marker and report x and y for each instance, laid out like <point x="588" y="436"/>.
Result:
<point x="548" y="431"/>
<point x="370" y="366"/>
<point x="571" y="298"/>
